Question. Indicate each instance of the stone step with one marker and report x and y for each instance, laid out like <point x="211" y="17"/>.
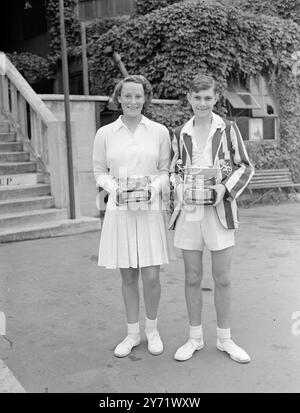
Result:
<point x="18" y="220"/>
<point x="20" y="179"/>
<point x="26" y="204"/>
<point x="14" y="157"/>
<point x="13" y="168"/>
<point x="50" y="229"/>
<point x="8" y="136"/>
<point x="23" y="191"/>
<point x="4" y="126"/>
<point x="11" y="147"/>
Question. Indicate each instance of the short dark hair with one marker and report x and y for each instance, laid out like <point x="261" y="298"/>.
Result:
<point x="202" y="82"/>
<point x="134" y="79"/>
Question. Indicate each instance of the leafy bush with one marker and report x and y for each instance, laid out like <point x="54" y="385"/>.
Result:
<point x="98" y="27"/>
<point x="169" y="115"/>
<point x="34" y="68"/>
<point x="143" y="7"/>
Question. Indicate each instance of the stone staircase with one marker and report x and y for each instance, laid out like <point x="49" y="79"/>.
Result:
<point x="27" y="208"/>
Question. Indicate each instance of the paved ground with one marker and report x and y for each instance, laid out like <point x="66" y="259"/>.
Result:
<point x="65" y="315"/>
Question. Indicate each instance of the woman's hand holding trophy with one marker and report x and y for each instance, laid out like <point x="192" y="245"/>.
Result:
<point x="133" y="189"/>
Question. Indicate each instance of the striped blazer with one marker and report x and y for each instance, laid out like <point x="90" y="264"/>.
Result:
<point x="236" y="169"/>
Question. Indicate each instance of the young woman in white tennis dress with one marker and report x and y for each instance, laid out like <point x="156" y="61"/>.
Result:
<point x="134" y="236"/>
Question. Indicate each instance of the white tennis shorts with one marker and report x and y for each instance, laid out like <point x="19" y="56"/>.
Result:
<point x="195" y="230"/>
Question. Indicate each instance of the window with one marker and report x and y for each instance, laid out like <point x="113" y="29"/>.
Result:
<point x="243" y="125"/>
<point x="254" y="109"/>
<point x="255" y="129"/>
<point x="240" y="98"/>
<point x="269" y="128"/>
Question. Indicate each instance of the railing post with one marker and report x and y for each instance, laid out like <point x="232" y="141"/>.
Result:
<point x="22" y="110"/>
<point x="4" y="94"/>
<point x="14" y="102"/>
<point x="36" y="132"/>
<point x="44" y="146"/>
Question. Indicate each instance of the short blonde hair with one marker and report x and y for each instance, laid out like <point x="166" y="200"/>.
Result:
<point x="133" y="79"/>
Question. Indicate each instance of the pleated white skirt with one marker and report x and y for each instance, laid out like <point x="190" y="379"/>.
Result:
<point x="135" y="239"/>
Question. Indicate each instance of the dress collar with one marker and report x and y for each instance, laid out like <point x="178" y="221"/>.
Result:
<point x="119" y="123"/>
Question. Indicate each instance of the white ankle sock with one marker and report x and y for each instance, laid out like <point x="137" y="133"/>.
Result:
<point x="223" y="333"/>
<point x="133" y="330"/>
<point x="150" y="325"/>
<point x="196" y="332"/>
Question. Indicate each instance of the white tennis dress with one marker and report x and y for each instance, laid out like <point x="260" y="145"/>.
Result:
<point x="135" y="235"/>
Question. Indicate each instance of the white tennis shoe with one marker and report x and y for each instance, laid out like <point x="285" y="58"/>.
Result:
<point x="125" y="347"/>
<point x="234" y="351"/>
<point x="186" y="351"/>
<point x="155" y="345"/>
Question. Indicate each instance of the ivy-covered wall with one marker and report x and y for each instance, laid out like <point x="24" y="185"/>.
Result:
<point x="287" y="90"/>
<point x="100" y="26"/>
<point x="287" y="154"/>
<point x="170" y="45"/>
<point x="143" y="7"/>
<point x="72" y="26"/>
<point x="229" y="38"/>
<point x="285" y="9"/>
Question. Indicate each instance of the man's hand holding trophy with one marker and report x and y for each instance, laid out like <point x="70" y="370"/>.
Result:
<point x="199" y="186"/>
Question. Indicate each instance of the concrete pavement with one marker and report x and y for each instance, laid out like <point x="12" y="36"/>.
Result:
<point x="64" y="316"/>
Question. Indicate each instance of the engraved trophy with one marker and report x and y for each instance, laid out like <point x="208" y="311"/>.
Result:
<point x="134" y="189"/>
<point x="197" y="182"/>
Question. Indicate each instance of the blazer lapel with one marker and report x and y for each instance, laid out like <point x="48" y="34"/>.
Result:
<point x="216" y="143"/>
<point x="187" y="149"/>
